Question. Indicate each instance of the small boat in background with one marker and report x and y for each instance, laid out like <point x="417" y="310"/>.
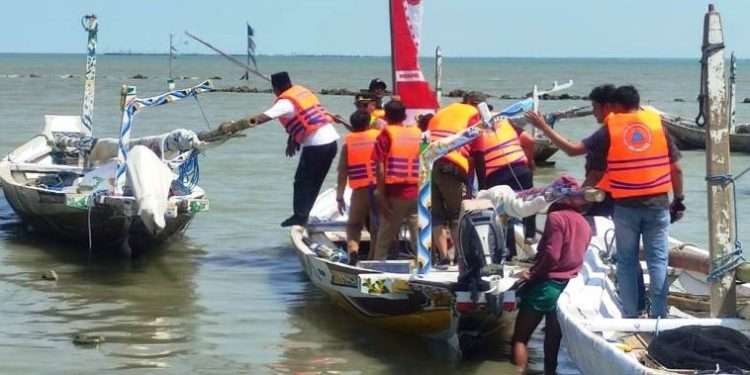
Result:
<point x="106" y="193"/>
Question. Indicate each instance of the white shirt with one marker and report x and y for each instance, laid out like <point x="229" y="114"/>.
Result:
<point x="283" y="108"/>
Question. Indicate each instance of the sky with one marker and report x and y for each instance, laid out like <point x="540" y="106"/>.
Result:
<point x="477" y="28"/>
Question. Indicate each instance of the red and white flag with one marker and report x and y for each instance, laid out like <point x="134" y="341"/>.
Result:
<point x="409" y="82"/>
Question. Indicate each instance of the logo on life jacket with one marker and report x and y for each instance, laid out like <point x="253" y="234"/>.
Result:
<point x="637" y="137"/>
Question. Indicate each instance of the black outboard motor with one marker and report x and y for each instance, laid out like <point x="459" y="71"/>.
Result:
<point x="481" y="245"/>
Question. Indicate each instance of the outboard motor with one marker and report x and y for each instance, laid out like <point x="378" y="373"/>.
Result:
<point x="481" y="245"/>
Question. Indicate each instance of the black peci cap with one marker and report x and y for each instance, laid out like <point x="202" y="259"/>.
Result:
<point x="280" y="80"/>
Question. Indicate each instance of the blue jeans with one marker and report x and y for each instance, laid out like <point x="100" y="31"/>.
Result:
<point x="653" y="224"/>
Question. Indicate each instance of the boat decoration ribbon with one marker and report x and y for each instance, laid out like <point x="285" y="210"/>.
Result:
<point x="130" y="109"/>
<point x="408" y="81"/>
<point x="443" y="146"/>
<point x="89" y="24"/>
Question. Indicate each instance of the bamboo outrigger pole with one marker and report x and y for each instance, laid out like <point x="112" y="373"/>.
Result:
<point x="720" y="189"/>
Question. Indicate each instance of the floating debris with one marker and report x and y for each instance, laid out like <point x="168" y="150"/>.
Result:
<point x="139" y="76"/>
<point x="32" y="75"/>
<point x="50" y="275"/>
<point x="87" y="340"/>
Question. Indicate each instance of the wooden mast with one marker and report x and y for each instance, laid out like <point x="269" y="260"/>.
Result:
<point x="720" y="192"/>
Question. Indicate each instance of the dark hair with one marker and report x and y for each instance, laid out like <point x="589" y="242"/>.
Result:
<point x="281" y="81"/>
<point x="627" y="96"/>
<point x="423" y="121"/>
<point x="395" y="112"/>
<point x="377" y="83"/>
<point x="603" y="94"/>
<point x="360" y="120"/>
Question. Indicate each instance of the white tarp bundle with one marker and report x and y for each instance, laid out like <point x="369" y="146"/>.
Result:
<point x="150" y="180"/>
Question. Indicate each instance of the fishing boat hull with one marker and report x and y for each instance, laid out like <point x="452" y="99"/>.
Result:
<point x="429" y="305"/>
<point x="690" y="137"/>
<point x="543" y="150"/>
<point x="597" y="338"/>
<point x="109" y="227"/>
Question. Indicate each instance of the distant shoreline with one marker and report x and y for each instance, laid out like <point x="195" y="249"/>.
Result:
<point x="359" y="56"/>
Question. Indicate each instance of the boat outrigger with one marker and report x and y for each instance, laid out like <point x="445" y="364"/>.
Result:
<point x="106" y="193"/>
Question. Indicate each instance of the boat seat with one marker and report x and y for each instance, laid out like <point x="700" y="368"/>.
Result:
<point x="61" y="124"/>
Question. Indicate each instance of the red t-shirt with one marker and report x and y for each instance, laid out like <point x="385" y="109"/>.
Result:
<point x="400" y="191"/>
<point x="563" y="246"/>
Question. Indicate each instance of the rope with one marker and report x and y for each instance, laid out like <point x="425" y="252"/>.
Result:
<point x="189" y="172"/>
<point x="728" y="262"/>
<point x="203" y="113"/>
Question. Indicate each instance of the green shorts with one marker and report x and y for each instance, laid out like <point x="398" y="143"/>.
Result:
<point x="541" y="296"/>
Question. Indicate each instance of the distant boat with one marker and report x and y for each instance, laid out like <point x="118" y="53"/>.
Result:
<point x="688" y="135"/>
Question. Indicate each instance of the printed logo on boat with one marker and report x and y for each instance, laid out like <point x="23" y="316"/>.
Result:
<point x="409" y="76"/>
<point x="637" y="137"/>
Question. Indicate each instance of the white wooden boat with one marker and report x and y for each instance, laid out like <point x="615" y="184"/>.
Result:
<point x="390" y="294"/>
<point x="100" y="192"/>
<point x="600" y="341"/>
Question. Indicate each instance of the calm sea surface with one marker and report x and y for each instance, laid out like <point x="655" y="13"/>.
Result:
<point x="230" y="297"/>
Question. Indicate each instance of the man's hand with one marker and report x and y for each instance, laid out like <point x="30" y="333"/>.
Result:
<point x="536" y="120"/>
<point x="291" y="147"/>
<point x="523" y="275"/>
<point x="341" y="204"/>
<point x="676" y="209"/>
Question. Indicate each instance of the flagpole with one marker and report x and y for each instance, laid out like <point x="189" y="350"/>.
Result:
<point x="393" y="61"/>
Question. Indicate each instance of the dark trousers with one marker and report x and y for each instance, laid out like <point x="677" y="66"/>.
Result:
<point x="312" y="169"/>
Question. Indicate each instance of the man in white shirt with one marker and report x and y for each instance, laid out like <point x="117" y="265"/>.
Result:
<point x="310" y="126"/>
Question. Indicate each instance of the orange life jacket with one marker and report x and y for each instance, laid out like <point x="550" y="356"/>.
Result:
<point x="402" y="161"/>
<point x="359" y="164"/>
<point x="638" y="162"/>
<point x="500" y="147"/>
<point x="449" y="121"/>
<point x="309" y="114"/>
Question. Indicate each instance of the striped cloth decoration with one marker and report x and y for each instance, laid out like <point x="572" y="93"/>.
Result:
<point x="131" y="108"/>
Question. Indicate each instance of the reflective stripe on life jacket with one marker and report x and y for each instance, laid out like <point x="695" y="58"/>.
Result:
<point x="638" y="162"/>
<point x="402" y="161"/>
<point x="500" y="147"/>
<point x="309" y="115"/>
<point x="449" y="121"/>
<point x="359" y="164"/>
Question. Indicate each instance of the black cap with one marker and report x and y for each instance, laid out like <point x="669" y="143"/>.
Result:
<point x="377" y="83"/>
<point x="280" y="80"/>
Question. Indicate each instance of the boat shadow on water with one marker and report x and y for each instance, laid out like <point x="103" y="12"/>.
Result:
<point x="328" y="339"/>
<point x="102" y="312"/>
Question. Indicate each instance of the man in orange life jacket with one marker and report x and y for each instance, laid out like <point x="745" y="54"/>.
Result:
<point x="505" y="156"/>
<point x="602" y="105"/>
<point x="641" y="167"/>
<point x="309" y="125"/>
<point x="450" y="172"/>
<point x="356" y="166"/>
<point x="396" y="156"/>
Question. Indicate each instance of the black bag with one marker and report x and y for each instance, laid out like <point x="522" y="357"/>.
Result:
<point x="702" y="348"/>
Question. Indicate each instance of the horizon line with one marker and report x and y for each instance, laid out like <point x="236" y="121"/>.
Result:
<point x="128" y="53"/>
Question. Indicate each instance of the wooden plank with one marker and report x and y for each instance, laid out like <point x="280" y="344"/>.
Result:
<point x="720" y="218"/>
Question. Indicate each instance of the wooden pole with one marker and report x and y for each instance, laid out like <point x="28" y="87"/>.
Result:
<point x="721" y="211"/>
<point x="438" y="74"/>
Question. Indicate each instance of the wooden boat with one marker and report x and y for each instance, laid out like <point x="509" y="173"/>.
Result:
<point x="600" y="341"/>
<point x="390" y="294"/>
<point x="597" y="337"/>
<point x="689" y="136"/>
<point x="106" y="193"/>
